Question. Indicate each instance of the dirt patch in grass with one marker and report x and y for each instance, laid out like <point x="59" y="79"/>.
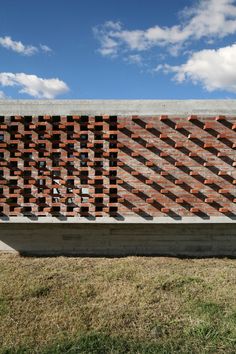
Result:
<point x="126" y="305"/>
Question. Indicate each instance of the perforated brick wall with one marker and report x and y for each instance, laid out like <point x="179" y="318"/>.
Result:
<point x="117" y="166"/>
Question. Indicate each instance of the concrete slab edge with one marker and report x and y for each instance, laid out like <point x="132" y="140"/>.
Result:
<point x="118" y="107"/>
<point x="113" y="220"/>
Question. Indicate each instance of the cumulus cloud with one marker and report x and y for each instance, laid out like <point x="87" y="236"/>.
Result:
<point x="20" y="48"/>
<point x="213" y="69"/>
<point x="33" y="85"/>
<point x="209" y="19"/>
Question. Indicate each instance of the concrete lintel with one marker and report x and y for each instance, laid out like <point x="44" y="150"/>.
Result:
<point x="121" y="220"/>
<point x="118" y="107"/>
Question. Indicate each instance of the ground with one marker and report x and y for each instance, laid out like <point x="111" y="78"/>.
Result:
<point x="119" y="305"/>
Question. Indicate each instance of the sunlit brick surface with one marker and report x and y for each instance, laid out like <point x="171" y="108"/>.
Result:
<point x="117" y="166"/>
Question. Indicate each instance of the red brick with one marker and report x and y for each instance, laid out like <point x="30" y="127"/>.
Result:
<point x="138" y="166"/>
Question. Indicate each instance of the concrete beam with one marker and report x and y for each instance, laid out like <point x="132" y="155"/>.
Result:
<point x="118" y="220"/>
<point x="118" y="107"/>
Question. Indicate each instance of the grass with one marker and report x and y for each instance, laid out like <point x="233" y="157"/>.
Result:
<point x="126" y="305"/>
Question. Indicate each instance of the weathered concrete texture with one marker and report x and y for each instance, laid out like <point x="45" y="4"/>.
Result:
<point x="118" y="107"/>
<point x="119" y="240"/>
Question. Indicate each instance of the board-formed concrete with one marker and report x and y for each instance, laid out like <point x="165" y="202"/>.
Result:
<point x="119" y="240"/>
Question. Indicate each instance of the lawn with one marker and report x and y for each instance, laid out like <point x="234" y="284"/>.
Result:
<point x="119" y="305"/>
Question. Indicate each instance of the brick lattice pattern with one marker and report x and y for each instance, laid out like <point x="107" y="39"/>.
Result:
<point x="117" y="166"/>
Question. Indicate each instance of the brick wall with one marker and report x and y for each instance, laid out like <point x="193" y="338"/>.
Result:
<point x="117" y="166"/>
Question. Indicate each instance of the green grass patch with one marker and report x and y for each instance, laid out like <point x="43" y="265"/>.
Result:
<point x="98" y="343"/>
<point x="210" y="308"/>
<point x="3" y="306"/>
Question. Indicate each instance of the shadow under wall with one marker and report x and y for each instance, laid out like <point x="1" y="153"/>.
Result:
<point x="185" y="240"/>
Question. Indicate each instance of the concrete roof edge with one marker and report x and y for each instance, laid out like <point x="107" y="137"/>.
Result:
<point x="118" y="107"/>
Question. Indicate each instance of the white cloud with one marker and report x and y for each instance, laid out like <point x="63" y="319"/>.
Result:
<point x="17" y="47"/>
<point x="45" y="48"/>
<point x="213" y="69"/>
<point x="109" y="46"/>
<point x="209" y="19"/>
<point x="33" y="85"/>
<point x="134" y="59"/>
<point x="2" y="96"/>
<point x="20" y="48"/>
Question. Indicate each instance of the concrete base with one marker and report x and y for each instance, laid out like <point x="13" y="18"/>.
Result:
<point x="192" y="240"/>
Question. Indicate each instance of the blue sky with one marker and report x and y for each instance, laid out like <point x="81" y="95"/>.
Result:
<point x="111" y="49"/>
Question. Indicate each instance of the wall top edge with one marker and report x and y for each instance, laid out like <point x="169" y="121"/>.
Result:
<point x="119" y="107"/>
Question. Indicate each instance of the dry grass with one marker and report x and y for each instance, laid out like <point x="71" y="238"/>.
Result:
<point x="126" y="305"/>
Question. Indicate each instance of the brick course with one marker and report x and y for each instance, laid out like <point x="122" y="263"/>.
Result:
<point x="117" y="166"/>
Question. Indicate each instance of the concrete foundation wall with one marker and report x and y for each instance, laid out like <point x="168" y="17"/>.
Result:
<point x="196" y="240"/>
